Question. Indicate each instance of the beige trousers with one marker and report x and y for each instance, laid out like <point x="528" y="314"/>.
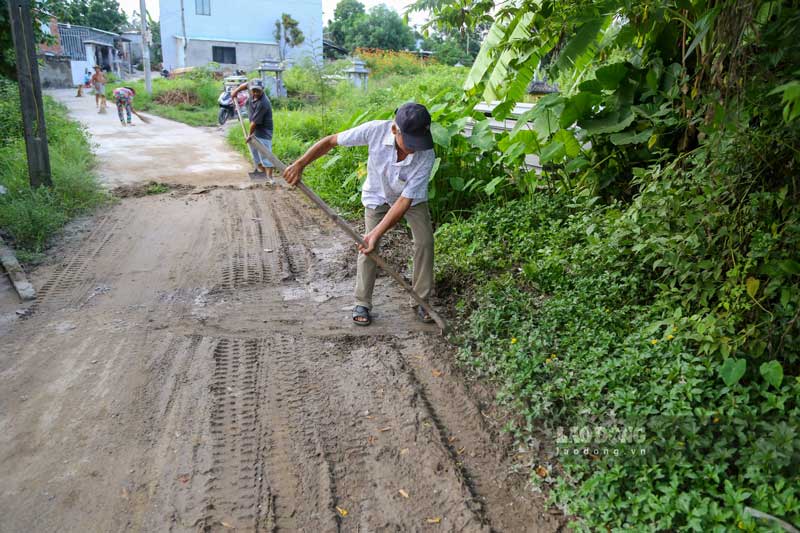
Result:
<point x="419" y="220"/>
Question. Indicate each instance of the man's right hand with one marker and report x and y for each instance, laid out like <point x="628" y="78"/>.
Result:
<point x="293" y="173"/>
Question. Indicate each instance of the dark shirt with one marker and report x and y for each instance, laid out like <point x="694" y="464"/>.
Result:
<point x="260" y="112"/>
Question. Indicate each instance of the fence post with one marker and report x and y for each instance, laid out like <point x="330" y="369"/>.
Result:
<point x="30" y="93"/>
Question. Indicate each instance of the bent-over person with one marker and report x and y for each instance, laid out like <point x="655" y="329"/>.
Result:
<point x="399" y="168"/>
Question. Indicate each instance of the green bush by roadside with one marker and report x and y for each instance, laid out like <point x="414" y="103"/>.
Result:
<point x="30" y="217"/>
<point x="603" y="316"/>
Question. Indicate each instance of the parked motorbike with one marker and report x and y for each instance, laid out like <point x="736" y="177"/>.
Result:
<point x="226" y="105"/>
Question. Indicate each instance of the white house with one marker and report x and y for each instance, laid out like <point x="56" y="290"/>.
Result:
<point x="232" y="32"/>
<point x="75" y="50"/>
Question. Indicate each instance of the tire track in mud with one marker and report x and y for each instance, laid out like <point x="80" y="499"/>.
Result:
<point x="323" y="438"/>
<point x="268" y="267"/>
<point x="295" y="256"/>
<point x="290" y="447"/>
<point x="298" y="467"/>
<point x="233" y="489"/>
<point x="233" y="272"/>
<point x="446" y="440"/>
<point x="338" y="428"/>
<point x="248" y="233"/>
<point x="269" y="466"/>
<point x="72" y="278"/>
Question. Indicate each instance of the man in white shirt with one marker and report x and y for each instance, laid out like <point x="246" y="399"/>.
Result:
<point x="398" y="171"/>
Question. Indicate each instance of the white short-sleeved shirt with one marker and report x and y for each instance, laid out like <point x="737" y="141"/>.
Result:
<point x="389" y="179"/>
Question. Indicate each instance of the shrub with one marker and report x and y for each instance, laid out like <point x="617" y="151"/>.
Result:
<point x="599" y="315"/>
<point x="31" y="216"/>
<point x="383" y="62"/>
<point x="300" y="81"/>
<point x="10" y="117"/>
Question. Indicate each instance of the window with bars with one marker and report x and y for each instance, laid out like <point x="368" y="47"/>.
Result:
<point x="224" y="54"/>
<point x="202" y="7"/>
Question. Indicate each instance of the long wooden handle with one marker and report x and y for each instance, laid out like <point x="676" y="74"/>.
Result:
<point x="339" y="221"/>
<point x="239" y="114"/>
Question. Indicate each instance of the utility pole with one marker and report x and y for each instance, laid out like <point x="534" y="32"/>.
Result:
<point x="148" y="84"/>
<point x="30" y="93"/>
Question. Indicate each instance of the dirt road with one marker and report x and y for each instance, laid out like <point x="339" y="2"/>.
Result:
<point x="188" y="366"/>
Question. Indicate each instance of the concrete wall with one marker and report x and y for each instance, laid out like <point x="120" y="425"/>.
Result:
<point x="234" y="21"/>
<point x="248" y="55"/>
<point x="55" y="72"/>
<point x="79" y="67"/>
<point x="136" y="46"/>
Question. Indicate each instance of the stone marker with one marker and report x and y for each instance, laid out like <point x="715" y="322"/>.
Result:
<point x="15" y="272"/>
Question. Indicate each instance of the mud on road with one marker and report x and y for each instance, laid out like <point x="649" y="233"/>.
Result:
<point x="188" y="366"/>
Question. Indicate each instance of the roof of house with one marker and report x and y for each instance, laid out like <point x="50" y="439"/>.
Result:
<point x="73" y="38"/>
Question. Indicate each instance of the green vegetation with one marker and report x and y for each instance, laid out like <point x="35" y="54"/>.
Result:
<point x="30" y="217"/>
<point x="647" y="278"/>
<point x="101" y="14"/>
<point x="454" y="30"/>
<point x="156" y="188"/>
<point x="381" y="27"/>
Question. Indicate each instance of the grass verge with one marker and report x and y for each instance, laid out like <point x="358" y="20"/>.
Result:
<point x="30" y="217"/>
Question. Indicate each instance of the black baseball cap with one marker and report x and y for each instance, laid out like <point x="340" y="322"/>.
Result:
<point x="414" y="123"/>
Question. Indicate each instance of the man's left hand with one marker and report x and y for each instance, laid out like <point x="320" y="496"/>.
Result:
<point x="370" y="241"/>
<point x="248" y="138"/>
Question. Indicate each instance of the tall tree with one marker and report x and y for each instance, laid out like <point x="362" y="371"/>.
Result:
<point x="101" y="14"/>
<point x="381" y="28"/>
<point x="448" y="50"/>
<point x="345" y="14"/>
<point x="288" y="34"/>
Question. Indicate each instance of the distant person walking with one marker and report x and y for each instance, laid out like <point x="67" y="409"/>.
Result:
<point x="260" y="113"/>
<point x="123" y="96"/>
<point x="99" y="83"/>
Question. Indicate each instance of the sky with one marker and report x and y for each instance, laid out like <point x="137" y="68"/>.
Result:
<point x="327" y="8"/>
